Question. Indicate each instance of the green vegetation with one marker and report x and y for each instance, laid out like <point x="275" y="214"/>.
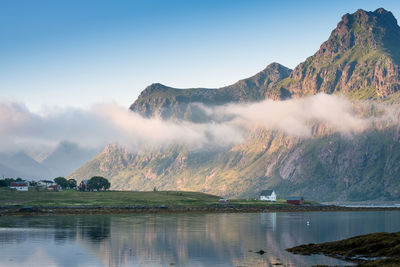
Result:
<point x="98" y="183"/>
<point x="72" y="183"/>
<point x="9" y="197"/>
<point x="61" y="181"/>
<point x="71" y="198"/>
<point x="382" y="249"/>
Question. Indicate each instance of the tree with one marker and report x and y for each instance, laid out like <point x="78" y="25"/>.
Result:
<point x="3" y="183"/>
<point x="71" y="183"/>
<point x="61" y="181"/>
<point x="6" y="182"/>
<point x="98" y="183"/>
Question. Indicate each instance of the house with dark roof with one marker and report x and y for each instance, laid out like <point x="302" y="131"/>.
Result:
<point x="268" y="195"/>
<point x="45" y="183"/>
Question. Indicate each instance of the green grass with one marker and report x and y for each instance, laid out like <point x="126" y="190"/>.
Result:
<point x="9" y="197"/>
<point x="253" y="202"/>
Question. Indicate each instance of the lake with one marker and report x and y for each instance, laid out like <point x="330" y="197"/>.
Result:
<point x="188" y="239"/>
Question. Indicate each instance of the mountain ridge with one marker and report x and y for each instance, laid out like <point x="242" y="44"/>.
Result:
<point x="167" y="102"/>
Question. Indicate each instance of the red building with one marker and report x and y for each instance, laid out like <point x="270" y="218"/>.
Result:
<point x="20" y="186"/>
<point x="295" y="200"/>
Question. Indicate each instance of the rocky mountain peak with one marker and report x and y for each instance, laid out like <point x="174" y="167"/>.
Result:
<point x="362" y="28"/>
<point x="154" y="87"/>
<point x="360" y="59"/>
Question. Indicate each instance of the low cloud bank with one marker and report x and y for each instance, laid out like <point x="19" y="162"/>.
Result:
<point x="108" y="123"/>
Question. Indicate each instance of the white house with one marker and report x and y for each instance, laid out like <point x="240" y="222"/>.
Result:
<point x="45" y="183"/>
<point x="20" y="186"/>
<point x="268" y="195"/>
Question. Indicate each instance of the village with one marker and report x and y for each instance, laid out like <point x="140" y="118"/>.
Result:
<point x="59" y="184"/>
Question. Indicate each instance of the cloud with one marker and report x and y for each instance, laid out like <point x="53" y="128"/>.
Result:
<point x="109" y="123"/>
<point x="296" y="116"/>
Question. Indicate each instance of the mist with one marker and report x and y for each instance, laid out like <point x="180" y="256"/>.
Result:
<point x="22" y="129"/>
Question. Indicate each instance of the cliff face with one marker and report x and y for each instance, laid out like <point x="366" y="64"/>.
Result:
<point x="360" y="59"/>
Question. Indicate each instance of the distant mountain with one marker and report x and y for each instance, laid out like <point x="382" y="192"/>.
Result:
<point x="7" y="172"/>
<point x="359" y="60"/>
<point x="66" y="158"/>
<point x="21" y="165"/>
<point x="166" y="102"/>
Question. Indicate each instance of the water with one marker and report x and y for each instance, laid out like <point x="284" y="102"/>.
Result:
<point x="180" y="239"/>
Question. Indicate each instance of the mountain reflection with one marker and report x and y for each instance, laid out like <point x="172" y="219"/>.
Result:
<point x="181" y="239"/>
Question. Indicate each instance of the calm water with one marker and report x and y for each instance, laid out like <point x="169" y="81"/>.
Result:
<point x="180" y="239"/>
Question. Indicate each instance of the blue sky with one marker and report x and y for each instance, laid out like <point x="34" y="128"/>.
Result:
<point x="76" y="53"/>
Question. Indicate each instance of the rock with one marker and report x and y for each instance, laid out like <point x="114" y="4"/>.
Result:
<point x="261" y="252"/>
<point x="28" y="209"/>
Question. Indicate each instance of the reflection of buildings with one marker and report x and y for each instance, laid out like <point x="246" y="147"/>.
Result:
<point x="268" y="219"/>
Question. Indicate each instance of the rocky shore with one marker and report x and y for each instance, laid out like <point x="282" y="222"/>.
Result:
<point x="55" y="210"/>
<point x="377" y="249"/>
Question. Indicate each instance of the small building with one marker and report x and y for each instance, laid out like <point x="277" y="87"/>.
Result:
<point x="223" y="201"/>
<point x="295" y="200"/>
<point x="19" y="186"/>
<point x="45" y="183"/>
<point x="268" y="195"/>
<point x="55" y="187"/>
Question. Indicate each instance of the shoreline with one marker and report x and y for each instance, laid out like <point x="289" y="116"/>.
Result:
<point x="87" y="210"/>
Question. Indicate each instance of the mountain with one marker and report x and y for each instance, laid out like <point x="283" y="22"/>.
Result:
<point x="66" y="158"/>
<point x="360" y="60"/>
<point x="21" y="165"/>
<point x="322" y="168"/>
<point x="6" y="172"/>
<point x="62" y="161"/>
<point x="166" y="102"/>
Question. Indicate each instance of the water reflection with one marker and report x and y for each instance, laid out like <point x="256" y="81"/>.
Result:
<point x="180" y="239"/>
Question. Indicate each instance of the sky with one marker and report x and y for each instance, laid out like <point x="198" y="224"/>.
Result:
<point x="78" y="53"/>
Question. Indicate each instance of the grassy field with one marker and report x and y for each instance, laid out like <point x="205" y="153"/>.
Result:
<point x="9" y="197"/>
